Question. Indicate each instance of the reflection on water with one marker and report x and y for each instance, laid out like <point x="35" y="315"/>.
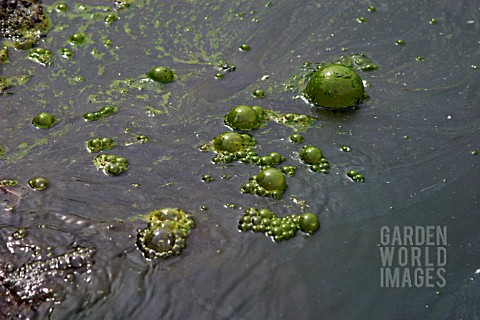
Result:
<point x="412" y="141"/>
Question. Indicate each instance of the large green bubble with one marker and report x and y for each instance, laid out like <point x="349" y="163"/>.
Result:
<point x="245" y="117"/>
<point x="272" y="179"/>
<point x="335" y="86"/>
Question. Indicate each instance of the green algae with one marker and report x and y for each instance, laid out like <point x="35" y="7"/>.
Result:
<point x="314" y="157"/>
<point x="355" y="176"/>
<point x="24" y="23"/>
<point x="165" y="234"/>
<point x="278" y="228"/>
<point x="4" y="55"/>
<point x="269" y="182"/>
<point x="110" y="164"/>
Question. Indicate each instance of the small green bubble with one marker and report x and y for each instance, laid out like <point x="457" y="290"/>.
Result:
<point x="219" y="76"/>
<point x="361" y="20"/>
<point x="474" y="152"/>
<point x="20" y="233"/>
<point x="258" y="93"/>
<point x="244" y="47"/>
<point x="61" y="7"/>
<point x="433" y="21"/>
<point x="109" y="18"/>
<point x="38" y="184"/>
<point x="345" y="149"/>
<point x="296" y="138"/>
<point x="77" y="39"/>
<point x="78" y="78"/>
<point x="66" y="53"/>
<point x="372" y="8"/>
<point x="420" y="59"/>
<point x="44" y="120"/>
<point x="207" y="178"/>
<point x="142" y="138"/>
<point x="474" y="66"/>
<point x="400" y="42"/>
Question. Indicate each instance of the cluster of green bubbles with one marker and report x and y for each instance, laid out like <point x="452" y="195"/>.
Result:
<point x="313" y="156"/>
<point x="97" y="115"/>
<point x="44" y="120"/>
<point x="41" y="56"/>
<point x="231" y="146"/>
<point x="270" y="182"/>
<point x="111" y="165"/>
<point x="165" y="234"/>
<point x="279" y="228"/>
<point x="355" y="176"/>
<point x="99" y="144"/>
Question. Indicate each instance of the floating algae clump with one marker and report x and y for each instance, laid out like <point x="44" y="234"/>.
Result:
<point x="161" y="74"/>
<point x="23" y="21"/>
<point x="314" y="157"/>
<point x="269" y="182"/>
<point x="279" y="228"/>
<point x="246" y="118"/>
<point x="165" y="234"/>
<point x="335" y="86"/>
<point x="231" y="146"/>
<point x="110" y="164"/>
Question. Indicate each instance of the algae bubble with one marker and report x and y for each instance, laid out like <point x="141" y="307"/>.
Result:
<point x="309" y="223"/>
<point x="44" y="120"/>
<point x="99" y="144"/>
<point x="230" y="142"/>
<point x="161" y="74"/>
<point x="335" y="86"/>
<point x="231" y="146"/>
<point x="279" y="228"/>
<point x="111" y="165"/>
<point x="77" y="39"/>
<point x="41" y="56"/>
<point x="38" y="184"/>
<point x="97" y="115"/>
<point x="258" y="94"/>
<point x="270" y="182"/>
<point x="314" y="157"/>
<point x="166" y="233"/>
<point x="296" y="138"/>
<point x="355" y="176"/>
<point x="245" y="118"/>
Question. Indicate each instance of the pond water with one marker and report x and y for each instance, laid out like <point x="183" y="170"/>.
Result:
<point x="413" y="141"/>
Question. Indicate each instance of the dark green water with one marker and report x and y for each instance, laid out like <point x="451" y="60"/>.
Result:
<point x="412" y="141"/>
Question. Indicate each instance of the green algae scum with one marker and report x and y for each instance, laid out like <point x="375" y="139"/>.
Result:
<point x="237" y="159"/>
